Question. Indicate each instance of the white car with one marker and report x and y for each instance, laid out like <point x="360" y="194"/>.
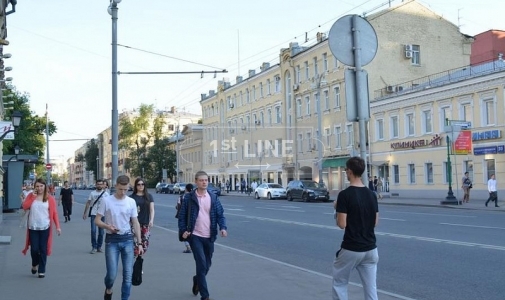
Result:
<point x="270" y="191"/>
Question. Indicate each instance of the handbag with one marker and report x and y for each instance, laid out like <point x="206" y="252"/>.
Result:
<point x="470" y="186"/>
<point x="137" y="271"/>
<point x="89" y="212"/>
<point x="188" y="218"/>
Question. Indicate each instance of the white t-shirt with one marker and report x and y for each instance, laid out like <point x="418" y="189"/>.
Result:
<point x="118" y="212"/>
<point x="39" y="215"/>
<point x="93" y="196"/>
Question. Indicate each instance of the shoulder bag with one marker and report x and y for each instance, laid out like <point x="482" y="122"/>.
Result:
<point x="91" y="207"/>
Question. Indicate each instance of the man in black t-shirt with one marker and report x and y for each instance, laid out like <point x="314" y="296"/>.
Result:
<point x="358" y="213"/>
<point x="66" y="200"/>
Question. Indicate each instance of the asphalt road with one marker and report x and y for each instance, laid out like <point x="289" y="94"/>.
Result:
<point x="425" y="252"/>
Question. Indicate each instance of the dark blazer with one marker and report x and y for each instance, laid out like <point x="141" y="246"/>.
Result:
<point x="216" y="214"/>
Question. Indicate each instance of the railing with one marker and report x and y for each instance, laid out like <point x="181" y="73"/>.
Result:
<point x="440" y="79"/>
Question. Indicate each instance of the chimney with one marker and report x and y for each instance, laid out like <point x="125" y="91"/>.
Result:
<point x="295" y="48"/>
<point x="173" y="109"/>
<point x="239" y="79"/>
<point x="212" y="93"/>
<point x="265" y="66"/>
<point x="252" y="73"/>
<point x="203" y="96"/>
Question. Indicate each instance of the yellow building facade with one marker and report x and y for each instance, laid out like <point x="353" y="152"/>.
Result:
<point x="265" y="127"/>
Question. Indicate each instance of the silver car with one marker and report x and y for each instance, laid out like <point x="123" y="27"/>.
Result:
<point x="270" y="191"/>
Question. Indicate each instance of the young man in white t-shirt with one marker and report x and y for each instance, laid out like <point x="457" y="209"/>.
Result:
<point x="118" y="211"/>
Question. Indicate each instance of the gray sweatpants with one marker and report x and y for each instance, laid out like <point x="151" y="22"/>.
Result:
<point x="365" y="263"/>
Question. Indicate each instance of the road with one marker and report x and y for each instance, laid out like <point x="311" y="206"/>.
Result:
<point x="425" y="252"/>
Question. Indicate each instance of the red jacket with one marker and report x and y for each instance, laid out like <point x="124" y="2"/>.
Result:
<point x="53" y="216"/>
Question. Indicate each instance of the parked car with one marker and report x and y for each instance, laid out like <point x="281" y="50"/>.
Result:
<point x="91" y="187"/>
<point x="270" y="191"/>
<point x="214" y="189"/>
<point x="179" y="188"/>
<point x="160" y="186"/>
<point x="307" y="190"/>
<point x="167" y="188"/>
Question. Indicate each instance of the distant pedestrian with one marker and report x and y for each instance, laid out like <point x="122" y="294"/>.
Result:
<point x="119" y="214"/>
<point x="94" y="201"/>
<point x="358" y="213"/>
<point x="466" y="185"/>
<point x="227" y="186"/>
<point x="370" y="183"/>
<point x="189" y="188"/>
<point x="145" y="210"/>
<point x="493" y="193"/>
<point x="243" y="185"/>
<point x="43" y="213"/>
<point x="206" y="213"/>
<point x="379" y="188"/>
<point x="237" y="186"/>
<point x="66" y="200"/>
<point x="254" y="185"/>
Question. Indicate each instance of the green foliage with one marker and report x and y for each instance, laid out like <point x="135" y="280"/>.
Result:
<point x="91" y="155"/>
<point x="31" y="132"/>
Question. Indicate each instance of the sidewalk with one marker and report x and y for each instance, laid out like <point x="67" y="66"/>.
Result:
<point x="73" y="273"/>
<point x="474" y="204"/>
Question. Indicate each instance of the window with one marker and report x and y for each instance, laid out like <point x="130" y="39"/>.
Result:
<point x="445" y="114"/>
<point x="307" y="105"/>
<point x="327" y="134"/>
<point x="261" y="90"/>
<point x="396" y="174"/>
<point x="254" y="92"/>
<point x="335" y="63"/>
<point x="298" y="108"/>
<point x="247" y="96"/>
<point x="409" y="124"/>
<point x="488" y="112"/>
<point x="429" y="172"/>
<point x="262" y="119"/>
<point x="269" y="87"/>
<point x="336" y="93"/>
<point x="393" y="132"/>
<point x="465" y="112"/>
<point x="325" y="62"/>
<point x="316" y="72"/>
<point x="269" y="115"/>
<point x="490" y="168"/>
<point x="306" y="70"/>
<point x="300" y="142"/>
<point x="277" y="84"/>
<point x="338" y="137"/>
<point x="416" y="55"/>
<point x="379" y="129"/>
<point x="278" y="115"/>
<point x="412" y="173"/>
<point x="326" y="100"/>
<point x="309" y="140"/>
<point x="427" y="122"/>
<point x="349" y="135"/>
<point x="255" y="120"/>
<point x="298" y="74"/>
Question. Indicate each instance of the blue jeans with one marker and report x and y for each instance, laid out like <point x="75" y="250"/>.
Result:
<point x="96" y="244"/>
<point x="113" y="249"/>
<point x="202" y="249"/>
<point x="38" y="248"/>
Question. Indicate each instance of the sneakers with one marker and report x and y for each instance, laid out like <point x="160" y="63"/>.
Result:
<point x="186" y="251"/>
<point x="99" y="250"/>
<point x="93" y="251"/>
<point x="107" y="296"/>
<point x="194" y="289"/>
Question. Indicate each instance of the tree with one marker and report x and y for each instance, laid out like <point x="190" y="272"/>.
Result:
<point x="160" y="157"/>
<point x="90" y="157"/>
<point x="30" y="136"/>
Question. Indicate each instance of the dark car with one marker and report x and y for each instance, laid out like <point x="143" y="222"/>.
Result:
<point x="160" y="187"/>
<point x="214" y="189"/>
<point x="167" y="188"/>
<point x="307" y="190"/>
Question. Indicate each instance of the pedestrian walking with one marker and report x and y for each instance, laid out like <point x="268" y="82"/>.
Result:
<point x="493" y="193"/>
<point x="466" y="185"/>
<point x="66" y="200"/>
<point x="254" y="185"/>
<point x="42" y="213"/>
<point x="189" y="188"/>
<point x="206" y="213"/>
<point x="227" y="186"/>
<point x="118" y="210"/>
<point x="237" y="186"/>
<point x="145" y="210"/>
<point x="358" y="213"/>
<point x="379" y="188"/>
<point x="90" y="210"/>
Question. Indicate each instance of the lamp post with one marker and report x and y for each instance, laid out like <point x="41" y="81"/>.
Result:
<point x="320" y="81"/>
<point x="97" y="167"/>
<point x="16" y="152"/>
<point x="113" y="11"/>
<point x="449" y="199"/>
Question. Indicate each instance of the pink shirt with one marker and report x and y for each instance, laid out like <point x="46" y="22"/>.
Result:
<point x="202" y="224"/>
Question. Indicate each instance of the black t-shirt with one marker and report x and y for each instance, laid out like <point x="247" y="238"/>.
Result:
<point x="360" y="205"/>
<point x="144" y="212"/>
<point x="66" y="194"/>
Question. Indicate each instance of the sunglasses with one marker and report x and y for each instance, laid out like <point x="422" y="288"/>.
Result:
<point x="140" y="184"/>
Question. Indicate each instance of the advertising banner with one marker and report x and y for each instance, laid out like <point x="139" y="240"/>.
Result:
<point x="6" y="126"/>
<point x="463" y="143"/>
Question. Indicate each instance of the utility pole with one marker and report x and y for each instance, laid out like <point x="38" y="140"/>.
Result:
<point x="113" y="11"/>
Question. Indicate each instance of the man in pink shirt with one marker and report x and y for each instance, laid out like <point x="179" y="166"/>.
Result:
<point x="206" y="213"/>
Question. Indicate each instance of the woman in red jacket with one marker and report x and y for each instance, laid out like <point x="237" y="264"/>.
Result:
<point x="43" y="210"/>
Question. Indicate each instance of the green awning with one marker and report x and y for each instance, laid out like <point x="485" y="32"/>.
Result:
<point x="335" y="162"/>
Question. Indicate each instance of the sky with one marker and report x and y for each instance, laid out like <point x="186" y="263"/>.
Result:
<point x="61" y="50"/>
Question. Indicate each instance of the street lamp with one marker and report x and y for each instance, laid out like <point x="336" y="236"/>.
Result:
<point x="16" y="152"/>
<point x="112" y="10"/>
<point x="449" y="199"/>
<point x="16" y="120"/>
<point x="320" y="81"/>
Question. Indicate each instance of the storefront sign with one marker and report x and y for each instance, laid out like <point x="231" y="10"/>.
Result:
<point x="463" y="143"/>
<point x="486" y="135"/>
<point x="489" y="150"/>
<point x="435" y="141"/>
